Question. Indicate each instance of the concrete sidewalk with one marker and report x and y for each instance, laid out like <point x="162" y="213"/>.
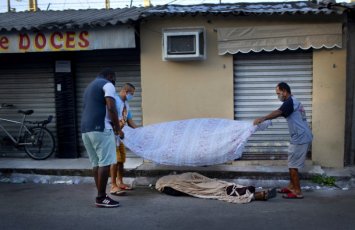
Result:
<point x="144" y="173"/>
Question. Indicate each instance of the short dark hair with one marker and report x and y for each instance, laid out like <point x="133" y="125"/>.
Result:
<point x="129" y="85"/>
<point x="106" y="72"/>
<point x="284" y="86"/>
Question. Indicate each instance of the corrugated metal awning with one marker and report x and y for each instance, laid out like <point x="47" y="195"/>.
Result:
<point x="280" y="37"/>
<point x="68" y="19"/>
<point x="93" y="18"/>
<point x="246" y="9"/>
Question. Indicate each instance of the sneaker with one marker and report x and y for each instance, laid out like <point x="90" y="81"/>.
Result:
<point x="106" y="202"/>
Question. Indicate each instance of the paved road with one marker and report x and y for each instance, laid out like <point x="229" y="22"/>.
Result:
<point x="58" y="206"/>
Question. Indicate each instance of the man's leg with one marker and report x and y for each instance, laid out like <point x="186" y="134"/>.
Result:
<point x="88" y="139"/>
<point x="113" y="174"/>
<point x="103" y="173"/>
<point x="120" y="173"/>
<point x="121" y="158"/>
<point x="120" y="166"/>
<point x="96" y="174"/>
<point x="120" y="183"/>
<point x="99" y="147"/>
<point x="114" y="187"/>
<point x="295" y="181"/>
<point x="296" y="159"/>
<point x="290" y="185"/>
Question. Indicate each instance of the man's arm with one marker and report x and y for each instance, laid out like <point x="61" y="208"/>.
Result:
<point x="270" y="116"/>
<point x="131" y="123"/>
<point x="112" y="112"/>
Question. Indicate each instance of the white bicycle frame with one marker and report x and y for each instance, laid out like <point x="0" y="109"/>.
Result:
<point x="23" y="128"/>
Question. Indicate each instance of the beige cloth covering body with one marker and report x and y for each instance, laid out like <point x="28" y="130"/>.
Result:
<point x="197" y="185"/>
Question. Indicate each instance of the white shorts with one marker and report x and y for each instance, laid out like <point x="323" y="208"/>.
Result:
<point x="101" y="147"/>
<point x="297" y="155"/>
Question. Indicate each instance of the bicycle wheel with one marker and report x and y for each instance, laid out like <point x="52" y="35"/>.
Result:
<point x="40" y="143"/>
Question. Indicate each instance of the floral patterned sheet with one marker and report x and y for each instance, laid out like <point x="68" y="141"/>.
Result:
<point x="192" y="142"/>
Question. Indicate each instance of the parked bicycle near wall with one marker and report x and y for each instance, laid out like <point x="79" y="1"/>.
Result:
<point x="37" y="141"/>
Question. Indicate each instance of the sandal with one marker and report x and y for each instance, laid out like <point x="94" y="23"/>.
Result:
<point x="292" y="196"/>
<point x="284" y="190"/>
<point x="117" y="191"/>
<point x="125" y="187"/>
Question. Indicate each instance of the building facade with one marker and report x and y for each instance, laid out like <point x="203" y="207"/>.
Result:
<point x="194" y="61"/>
<point x="249" y="48"/>
<point x="48" y="58"/>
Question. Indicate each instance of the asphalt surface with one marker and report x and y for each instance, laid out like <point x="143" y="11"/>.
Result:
<point x="62" y="206"/>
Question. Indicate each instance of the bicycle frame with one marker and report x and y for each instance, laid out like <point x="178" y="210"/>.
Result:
<point x="23" y="128"/>
<point x="38" y="142"/>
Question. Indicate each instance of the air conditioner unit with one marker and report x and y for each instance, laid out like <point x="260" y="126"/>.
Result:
<point x="184" y="44"/>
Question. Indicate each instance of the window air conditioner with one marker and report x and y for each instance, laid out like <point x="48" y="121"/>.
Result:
<point x="184" y="44"/>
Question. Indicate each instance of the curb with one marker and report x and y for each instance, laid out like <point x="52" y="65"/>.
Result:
<point x="252" y="175"/>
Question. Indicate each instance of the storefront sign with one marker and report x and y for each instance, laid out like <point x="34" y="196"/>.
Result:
<point x="69" y="40"/>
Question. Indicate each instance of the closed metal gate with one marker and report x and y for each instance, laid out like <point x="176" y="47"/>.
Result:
<point x="26" y="81"/>
<point x="125" y="62"/>
<point x="255" y="78"/>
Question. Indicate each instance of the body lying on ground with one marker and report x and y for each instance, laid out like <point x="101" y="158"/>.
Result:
<point x="197" y="185"/>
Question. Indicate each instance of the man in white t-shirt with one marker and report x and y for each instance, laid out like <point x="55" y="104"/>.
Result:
<point x="125" y="117"/>
<point x="99" y="125"/>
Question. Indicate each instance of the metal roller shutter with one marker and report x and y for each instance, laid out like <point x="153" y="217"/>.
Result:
<point x="126" y="63"/>
<point x="255" y="78"/>
<point x="27" y="83"/>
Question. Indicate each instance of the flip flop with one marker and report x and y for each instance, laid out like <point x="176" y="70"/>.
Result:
<point x="284" y="190"/>
<point x="292" y="196"/>
<point x="125" y="187"/>
<point x="117" y="192"/>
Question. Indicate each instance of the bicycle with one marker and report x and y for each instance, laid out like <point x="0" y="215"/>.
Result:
<point x="37" y="141"/>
